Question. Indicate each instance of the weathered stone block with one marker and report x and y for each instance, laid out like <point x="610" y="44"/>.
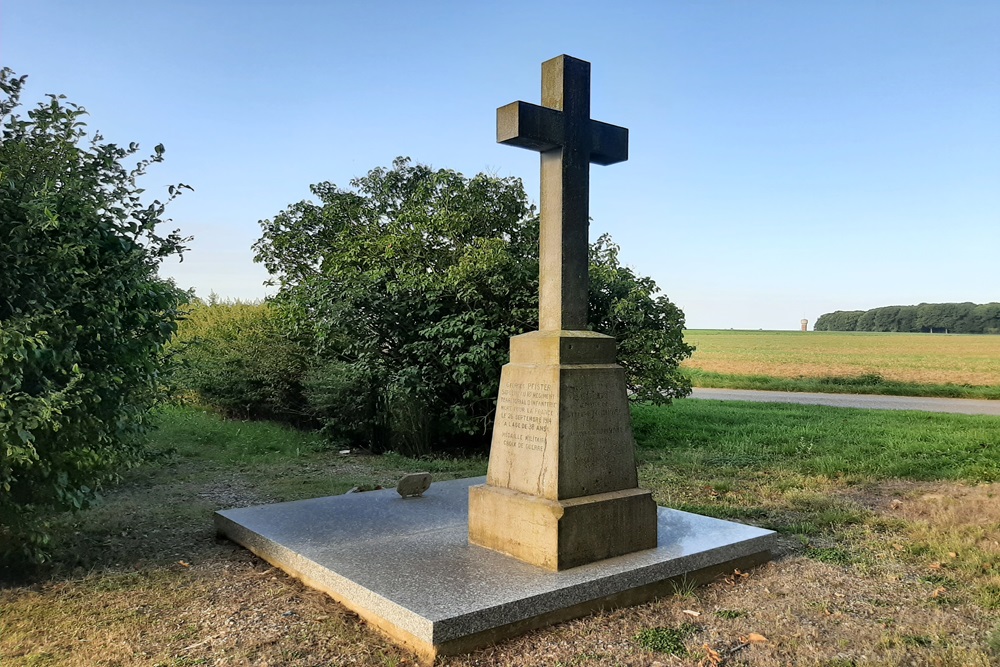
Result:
<point x="562" y="485"/>
<point x="557" y="534"/>
<point x="562" y="427"/>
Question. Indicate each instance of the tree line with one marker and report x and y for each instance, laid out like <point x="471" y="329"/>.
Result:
<point x="968" y="318"/>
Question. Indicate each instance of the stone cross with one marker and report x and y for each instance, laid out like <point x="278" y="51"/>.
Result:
<point x="561" y="489"/>
<point x="568" y="140"/>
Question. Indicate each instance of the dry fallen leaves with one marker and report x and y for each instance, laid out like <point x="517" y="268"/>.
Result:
<point x="691" y="612"/>
<point x="736" y="576"/>
<point x="754" y="638"/>
<point x="712" y="657"/>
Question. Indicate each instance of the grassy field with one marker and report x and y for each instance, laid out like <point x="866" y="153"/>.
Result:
<point x="962" y="366"/>
<point x="889" y="554"/>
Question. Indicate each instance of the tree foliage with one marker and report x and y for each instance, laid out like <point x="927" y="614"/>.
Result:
<point x="239" y="358"/>
<point x="648" y="326"/>
<point x="965" y="317"/>
<point x="840" y="320"/>
<point x="83" y="313"/>
<point x="408" y="285"/>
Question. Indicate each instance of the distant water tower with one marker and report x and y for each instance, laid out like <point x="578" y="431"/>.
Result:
<point x="805" y="325"/>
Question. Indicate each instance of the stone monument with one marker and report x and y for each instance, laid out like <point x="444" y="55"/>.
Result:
<point x="562" y="488"/>
<point x="562" y="485"/>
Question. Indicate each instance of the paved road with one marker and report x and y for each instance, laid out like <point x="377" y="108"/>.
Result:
<point x="965" y="406"/>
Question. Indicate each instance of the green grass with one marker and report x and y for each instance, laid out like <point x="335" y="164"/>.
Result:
<point x="729" y="437"/>
<point x="993" y="642"/>
<point x="201" y="435"/>
<point x="831" y="555"/>
<point x="666" y="640"/>
<point x="866" y="383"/>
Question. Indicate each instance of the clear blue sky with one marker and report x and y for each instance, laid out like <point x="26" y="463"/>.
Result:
<point x="787" y="158"/>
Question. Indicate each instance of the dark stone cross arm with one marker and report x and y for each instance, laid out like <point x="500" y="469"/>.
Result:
<point x="569" y="140"/>
<point x="540" y="129"/>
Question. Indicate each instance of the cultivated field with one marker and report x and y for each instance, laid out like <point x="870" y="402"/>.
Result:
<point x="927" y="359"/>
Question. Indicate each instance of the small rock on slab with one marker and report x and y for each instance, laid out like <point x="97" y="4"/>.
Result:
<point x="414" y="484"/>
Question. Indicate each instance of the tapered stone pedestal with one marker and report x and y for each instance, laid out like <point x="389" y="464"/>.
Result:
<point x="562" y="488"/>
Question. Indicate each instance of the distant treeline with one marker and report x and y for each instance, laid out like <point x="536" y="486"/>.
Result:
<point x="966" y="317"/>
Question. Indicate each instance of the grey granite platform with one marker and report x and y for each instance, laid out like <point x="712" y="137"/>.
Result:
<point x="406" y="566"/>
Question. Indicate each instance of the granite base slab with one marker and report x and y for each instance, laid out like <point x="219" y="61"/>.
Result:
<point x="406" y="565"/>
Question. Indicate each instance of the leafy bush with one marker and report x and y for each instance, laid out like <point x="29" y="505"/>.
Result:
<point x="343" y="398"/>
<point x="649" y="328"/>
<point x="411" y="283"/>
<point x="83" y="313"/>
<point x="240" y="358"/>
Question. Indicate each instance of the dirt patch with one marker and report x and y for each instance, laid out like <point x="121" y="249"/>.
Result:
<point x="941" y="502"/>
<point x="233" y="492"/>
<point x="951" y="516"/>
<point x="949" y="505"/>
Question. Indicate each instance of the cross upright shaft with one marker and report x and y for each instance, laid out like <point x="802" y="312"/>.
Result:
<point x="568" y="140"/>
